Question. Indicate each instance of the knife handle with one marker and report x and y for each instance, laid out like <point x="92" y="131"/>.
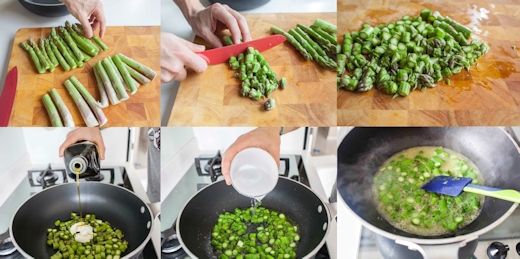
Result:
<point x="503" y="194"/>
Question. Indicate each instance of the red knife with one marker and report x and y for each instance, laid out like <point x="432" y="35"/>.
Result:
<point x="7" y="97"/>
<point x="222" y="55"/>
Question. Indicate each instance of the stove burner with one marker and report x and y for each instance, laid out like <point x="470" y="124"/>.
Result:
<point x="497" y="250"/>
<point x="97" y="178"/>
<point x="213" y="167"/>
<point x="172" y="245"/>
<point x="6" y="244"/>
<point x="48" y="176"/>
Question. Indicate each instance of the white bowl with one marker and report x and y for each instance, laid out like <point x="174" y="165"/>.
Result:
<point x="254" y="172"/>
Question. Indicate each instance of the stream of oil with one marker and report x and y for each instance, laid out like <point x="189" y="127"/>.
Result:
<point x="79" y="196"/>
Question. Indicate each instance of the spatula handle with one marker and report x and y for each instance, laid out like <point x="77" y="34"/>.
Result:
<point x="503" y="194"/>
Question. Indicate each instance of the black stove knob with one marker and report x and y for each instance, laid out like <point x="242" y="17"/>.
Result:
<point x="518" y="248"/>
<point x="497" y="250"/>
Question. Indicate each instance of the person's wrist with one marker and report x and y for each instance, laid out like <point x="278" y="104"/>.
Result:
<point x="193" y="8"/>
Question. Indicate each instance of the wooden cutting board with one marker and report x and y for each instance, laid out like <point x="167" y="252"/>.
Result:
<point x="141" y="109"/>
<point x="487" y="95"/>
<point x="213" y="98"/>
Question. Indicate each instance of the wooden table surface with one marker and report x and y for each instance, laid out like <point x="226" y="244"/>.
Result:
<point x="213" y="98"/>
<point x="487" y="95"/>
<point x="141" y="109"/>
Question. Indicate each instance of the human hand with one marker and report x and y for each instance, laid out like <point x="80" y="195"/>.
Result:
<point x="176" y="54"/>
<point x="267" y="139"/>
<point x="217" y="17"/>
<point x="89" y="13"/>
<point x="91" y="134"/>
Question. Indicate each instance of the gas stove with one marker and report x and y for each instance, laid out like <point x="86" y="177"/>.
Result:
<point x="42" y="177"/>
<point x="507" y="233"/>
<point x="206" y="170"/>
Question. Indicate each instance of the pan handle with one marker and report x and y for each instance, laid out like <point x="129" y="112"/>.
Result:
<point x="445" y="251"/>
<point x="155" y="208"/>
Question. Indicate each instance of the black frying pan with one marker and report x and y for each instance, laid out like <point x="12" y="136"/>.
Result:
<point x="120" y="207"/>
<point x="198" y="217"/>
<point x="363" y="151"/>
<point x="49" y="8"/>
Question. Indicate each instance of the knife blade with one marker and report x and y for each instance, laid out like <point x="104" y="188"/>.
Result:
<point x="7" y="97"/>
<point x="222" y="55"/>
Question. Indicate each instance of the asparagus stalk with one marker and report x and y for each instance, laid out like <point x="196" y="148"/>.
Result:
<point x="80" y="33"/>
<point x="62" y="108"/>
<point x="40" y="55"/>
<point x="85" y="56"/>
<point x="227" y="40"/>
<point x="59" y="44"/>
<point x="114" y="79"/>
<point x="86" y="46"/>
<point x="118" y="73"/>
<point x="72" y="44"/>
<point x="148" y="72"/>
<point x="332" y="39"/>
<point x="51" y="111"/>
<point x="50" y="53"/>
<point x="85" y="111"/>
<point x="136" y="75"/>
<point x="293" y="41"/>
<point x="34" y="57"/>
<point x="326" y="26"/>
<point x="319" y="54"/>
<point x="124" y="72"/>
<point x="103" y="99"/>
<point x="318" y="38"/>
<point x="58" y="55"/>
<point x="44" y="52"/>
<point x="95" y="106"/>
<point x="96" y="39"/>
<point x="109" y="89"/>
<point x="79" y="62"/>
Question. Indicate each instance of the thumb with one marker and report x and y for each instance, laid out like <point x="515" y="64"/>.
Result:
<point x="86" y="25"/>
<point x="194" y="47"/>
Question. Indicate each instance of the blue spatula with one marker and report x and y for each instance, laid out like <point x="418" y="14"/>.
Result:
<point x="454" y="186"/>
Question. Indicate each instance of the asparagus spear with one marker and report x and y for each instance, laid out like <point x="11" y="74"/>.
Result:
<point x="118" y="73"/>
<point x="114" y="79"/>
<point x="95" y="106"/>
<point x="125" y="74"/>
<point x="79" y="62"/>
<point x="227" y="40"/>
<point x="148" y="72"/>
<point x="109" y="89"/>
<point x="326" y="26"/>
<point x="34" y="57"/>
<point x="44" y="52"/>
<point x="319" y="54"/>
<point x="332" y="39"/>
<point x="72" y="44"/>
<point x="96" y="39"/>
<point x="85" y="111"/>
<point x="42" y="59"/>
<point x="59" y="44"/>
<point x="62" y="108"/>
<point x="51" y="111"/>
<point x="83" y="44"/>
<point x="103" y="99"/>
<point x="58" y="55"/>
<point x="80" y="33"/>
<point x="318" y="38"/>
<point x="136" y="75"/>
<point x="293" y="41"/>
<point x="50" y="53"/>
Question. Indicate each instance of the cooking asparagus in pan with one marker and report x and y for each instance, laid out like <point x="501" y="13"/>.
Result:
<point x="413" y="53"/>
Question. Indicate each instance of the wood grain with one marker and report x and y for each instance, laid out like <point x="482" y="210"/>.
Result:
<point x="213" y="97"/>
<point x="487" y="95"/>
<point x="142" y="109"/>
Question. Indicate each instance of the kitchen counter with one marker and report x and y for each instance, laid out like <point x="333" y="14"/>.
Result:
<point x="173" y="21"/>
<point x="14" y="16"/>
